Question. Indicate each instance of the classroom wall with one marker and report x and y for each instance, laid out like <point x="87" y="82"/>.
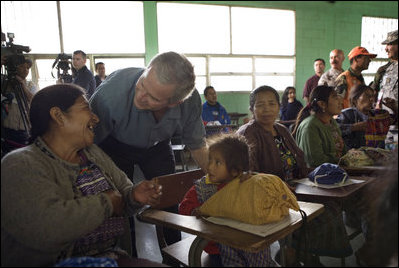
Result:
<point x="320" y="27"/>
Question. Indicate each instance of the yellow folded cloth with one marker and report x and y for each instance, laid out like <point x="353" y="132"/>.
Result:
<point x="261" y="199"/>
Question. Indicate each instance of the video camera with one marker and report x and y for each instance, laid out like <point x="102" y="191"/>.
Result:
<point x="63" y="63"/>
<point x="13" y="90"/>
<point x="14" y="53"/>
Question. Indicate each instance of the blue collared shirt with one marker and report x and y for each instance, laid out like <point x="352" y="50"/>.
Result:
<point x="113" y="104"/>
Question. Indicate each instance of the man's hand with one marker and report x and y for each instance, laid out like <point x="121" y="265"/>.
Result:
<point x="148" y="193"/>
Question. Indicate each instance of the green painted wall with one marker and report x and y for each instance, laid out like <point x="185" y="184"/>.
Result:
<point x="320" y="27"/>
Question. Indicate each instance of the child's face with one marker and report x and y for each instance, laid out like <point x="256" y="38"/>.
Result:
<point x="217" y="169"/>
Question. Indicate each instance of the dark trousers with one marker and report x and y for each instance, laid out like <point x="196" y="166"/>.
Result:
<point x="155" y="161"/>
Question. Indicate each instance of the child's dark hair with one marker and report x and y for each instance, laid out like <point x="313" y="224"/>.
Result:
<point x="234" y="149"/>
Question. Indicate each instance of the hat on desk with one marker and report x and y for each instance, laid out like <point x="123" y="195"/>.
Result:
<point x="392" y="37"/>
<point x="356" y="51"/>
<point x="328" y="173"/>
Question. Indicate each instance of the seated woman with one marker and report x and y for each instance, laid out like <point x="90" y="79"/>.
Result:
<point x="353" y="120"/>
<point x="317" y="133"/>
<point x="62" y="196"/>
<point x="273" y="149"/>
<point x="319" y="136"/>
<point x="290" y="107"/>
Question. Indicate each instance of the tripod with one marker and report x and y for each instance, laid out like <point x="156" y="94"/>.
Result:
<point x="12" y="89"/>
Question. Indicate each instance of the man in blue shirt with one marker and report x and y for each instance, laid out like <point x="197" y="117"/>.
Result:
<point x="83" y="76"/>
<point x="213" y="110"/>
<point x="213" y="113"/>
<point x="141" y="109"/>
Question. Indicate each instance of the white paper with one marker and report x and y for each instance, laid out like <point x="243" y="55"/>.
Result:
<point x="306" y="181"/>
<point x="260" y="230"/>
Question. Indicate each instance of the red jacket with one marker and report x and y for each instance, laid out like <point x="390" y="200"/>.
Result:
<point x="188" y="204"/>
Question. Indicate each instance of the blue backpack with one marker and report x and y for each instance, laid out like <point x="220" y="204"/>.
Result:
<point x="328" y="173"/>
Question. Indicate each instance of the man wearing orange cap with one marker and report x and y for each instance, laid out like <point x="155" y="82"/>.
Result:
<point x="359" y="59"/>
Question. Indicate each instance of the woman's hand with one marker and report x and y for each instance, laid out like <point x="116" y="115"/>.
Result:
<point x="117" y="202"/>
<point x="390" y="103"/>
<point x="148" y="193"/>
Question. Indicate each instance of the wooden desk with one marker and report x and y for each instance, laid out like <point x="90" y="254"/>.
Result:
<point x="317" y="194"/>
<point x="207" y="231"/>
<point x="216" y="129"/>
<point x="235" y="117"/>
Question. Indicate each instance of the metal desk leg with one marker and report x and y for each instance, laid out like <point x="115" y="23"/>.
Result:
<point x="194" y="255"/>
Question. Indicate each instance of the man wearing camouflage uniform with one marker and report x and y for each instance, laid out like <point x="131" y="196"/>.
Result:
<point x="386" y="78"/>
<point x="386" y="82"/>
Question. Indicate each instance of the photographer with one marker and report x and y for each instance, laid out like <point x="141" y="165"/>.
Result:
<point x="83" y="76"/>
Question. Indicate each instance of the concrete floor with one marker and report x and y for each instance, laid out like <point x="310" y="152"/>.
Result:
<point x="147" y="245"/>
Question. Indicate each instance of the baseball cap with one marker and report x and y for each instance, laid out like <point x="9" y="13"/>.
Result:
<point x="356" y="51"/>
<point x="392" y="37"/>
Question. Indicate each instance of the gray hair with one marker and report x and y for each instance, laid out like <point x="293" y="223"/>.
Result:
<point x="174" y="68"/>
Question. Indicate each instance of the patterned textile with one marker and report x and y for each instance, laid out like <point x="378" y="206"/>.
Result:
<point x="388" y="83"/>
<point x="338" y="140"/>
<point x="377" y="128"/>
<point x="232" y="257"/>
<point x="204" y="189"/>
<point x="261" y="199"/>
<point x="91" y="181"/>
<point x="87" y="262"/>
<point x="288" y="159"/>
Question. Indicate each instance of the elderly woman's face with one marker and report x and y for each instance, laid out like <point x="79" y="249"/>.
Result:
<point x="266" y="108"/>
<point x="365" y="102"/>
<point x="80" y="123"/>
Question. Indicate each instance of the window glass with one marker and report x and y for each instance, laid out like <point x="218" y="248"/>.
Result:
<point x="116" y="64"/>
<point x="199" y="64"/>
<point x="275" y="31"/>
<point x="231" y="83"/>
<point x="25" y="19"/>
<point x="279" y="83"/>
<point x="274" y="65"/>
<point x="223" y="64"/>
<point x="191" y="28"/>
<point x="374" y="32"/>
<point x="103" y="26"/>
<point x="45" y="73"/>
<point x="200" y="84"/>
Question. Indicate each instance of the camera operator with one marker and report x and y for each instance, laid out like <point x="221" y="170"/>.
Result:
<point x="15" y="96"/>
<point x="15" y="132"/>
<point x="83" y="76"/>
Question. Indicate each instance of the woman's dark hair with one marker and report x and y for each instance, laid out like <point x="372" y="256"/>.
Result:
<point x="252" y="96"/>
<point x="319" y="93"/>
<point x="356" y="92"/>
<point x="284" y="98"/>
<point x="234" y="149"/>
<point x="207" y="89"/>
<point x="62" y="96"/>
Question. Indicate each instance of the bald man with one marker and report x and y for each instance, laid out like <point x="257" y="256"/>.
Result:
<point x="337" y="57"/>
